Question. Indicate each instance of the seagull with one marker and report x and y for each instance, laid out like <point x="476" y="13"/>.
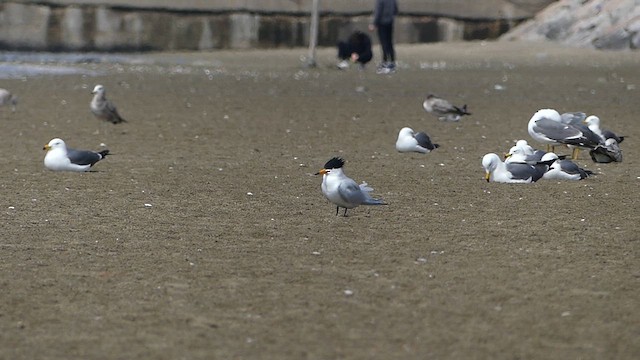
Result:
<point x="104" y="109"/>
<point x="562" y="169"/>
<point x="443" y="109"/>
<point x="572" y="118"/>
<point x="410" y="141"/>
<point x="342" y="190"/>
<point x="498" y="171"/>
<point x="593" y="122"/>
<point x="61" y="158"/>
<point x="7" y="98"/>
<point x="545" y="126"/>
<point x="607" y="152"/>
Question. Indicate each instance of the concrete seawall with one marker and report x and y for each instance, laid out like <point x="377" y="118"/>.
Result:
<point x="65" y="25"/>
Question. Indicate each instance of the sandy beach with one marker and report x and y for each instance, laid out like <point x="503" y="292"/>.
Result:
<point x="205" y="235"/>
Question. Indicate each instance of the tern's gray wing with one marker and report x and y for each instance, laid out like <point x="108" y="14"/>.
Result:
<point x="350" y="193"/>
<point x="572" y="117"/>
<point x="83" y="157"/>
<point x="424" y="141"/>
<point x="521" y="171"/>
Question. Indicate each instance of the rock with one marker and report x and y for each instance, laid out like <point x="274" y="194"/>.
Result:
<point x="600" y="24"/>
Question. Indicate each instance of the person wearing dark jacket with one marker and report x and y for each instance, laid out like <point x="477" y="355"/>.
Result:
<point x="383" y="17"/>
<point x="357" y="49"/>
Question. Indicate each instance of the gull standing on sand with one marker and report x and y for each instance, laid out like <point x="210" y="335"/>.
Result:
<point x="443" y="109"/>
<point x="342" y="190"/>
<point x="61" y="158"/>
<point x="545" y="126"/>
<point x="104" y="109"/>
<point x="593" y="122"/>
<point x="511" y="172"/>
<point x="410" y="141"/>
<point x="7" y="98"/>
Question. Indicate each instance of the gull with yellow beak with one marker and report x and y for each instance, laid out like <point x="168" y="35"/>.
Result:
<point x="61" y="158"/>
<point x="509" y="172"/>
<point x="343" y="191"/>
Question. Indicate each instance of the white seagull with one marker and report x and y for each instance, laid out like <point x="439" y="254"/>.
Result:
<point x="104" y="109"/>
<point x="61" y="158"/>
<point x="7" y="98"/>
<point x="563" y="169"/>
<point x="410" y="141"/>
<point x="572" y="117"/>
<point x="529" y="150"/>
<point x="593" y="122"/>
<point x="498" y="171"/>
<point x="342" y="190"/>
<point x="443" y="109"/>
<point x="545" y="126"/>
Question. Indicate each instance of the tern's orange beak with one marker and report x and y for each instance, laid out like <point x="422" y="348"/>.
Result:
<point x="321" y="172"/>
<point x="46" y="147"/>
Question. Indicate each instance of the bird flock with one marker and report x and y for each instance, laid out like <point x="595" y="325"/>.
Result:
<point x="521" y="164"/>
<point x="345" y="193"/>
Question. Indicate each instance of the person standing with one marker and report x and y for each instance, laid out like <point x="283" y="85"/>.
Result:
<point x="383" y="16"/>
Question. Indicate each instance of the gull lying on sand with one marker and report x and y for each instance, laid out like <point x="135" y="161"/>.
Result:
<point x="102" y="108"/>
<point x="443" y="109"/>
<point x="342" y="190"/>
<point x="563" y="169"/>
<point x="607" y="152"/>
<point x="61" y="158"/>
<point x="510" y="172"/>
<point x="410" y="141"/>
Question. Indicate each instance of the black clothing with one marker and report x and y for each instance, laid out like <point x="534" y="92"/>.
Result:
<point x="359" y="43"/>
<point x="383" y="17"/>
<point x="384" y="12"/>
<point x="385" y="35"/>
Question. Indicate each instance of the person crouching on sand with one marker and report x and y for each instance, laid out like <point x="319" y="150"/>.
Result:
<point x="356" y="49"/>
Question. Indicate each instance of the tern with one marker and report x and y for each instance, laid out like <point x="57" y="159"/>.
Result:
<point x="343" y="191"/>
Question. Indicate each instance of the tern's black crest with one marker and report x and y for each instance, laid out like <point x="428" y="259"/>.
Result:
<point x="334" y="163"/>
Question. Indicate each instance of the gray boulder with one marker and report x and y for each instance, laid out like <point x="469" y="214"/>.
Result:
<point x="600" y="24"/>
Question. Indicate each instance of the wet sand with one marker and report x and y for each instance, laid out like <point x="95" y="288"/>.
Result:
<point x="205" y="235"/>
